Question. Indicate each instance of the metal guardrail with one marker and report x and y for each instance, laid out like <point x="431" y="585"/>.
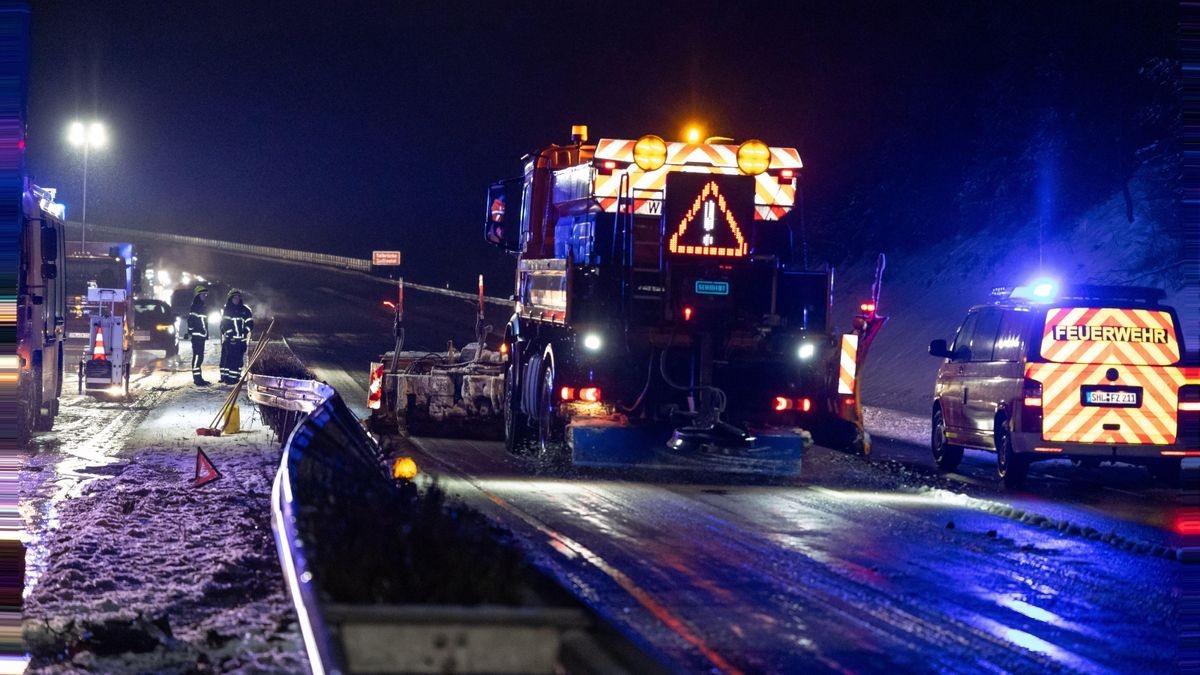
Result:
<point x="288" y="393"/>
<point x="336" y="262"/>
<point x="273" y="252"/>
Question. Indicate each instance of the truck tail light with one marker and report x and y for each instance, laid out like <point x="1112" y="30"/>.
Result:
<point x="585" y="394"/>
<point x="1031" y="406"/>
<point x="782" y="403"/>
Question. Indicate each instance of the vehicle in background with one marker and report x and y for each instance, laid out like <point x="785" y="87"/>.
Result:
<point x="40" y="311"/>
<point x="96" y="265"/>
<point x="181" y="304"/>
<point x="1089" y="373"/>
<point x="154" y="326"/>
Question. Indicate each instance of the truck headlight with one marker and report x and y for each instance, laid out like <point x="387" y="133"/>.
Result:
<point x="592" y="342"/>
<point x="806" y="351"/>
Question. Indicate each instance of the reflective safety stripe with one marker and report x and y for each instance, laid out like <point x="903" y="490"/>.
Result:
<point x="375" y="390"/>
<point x="848" y="368"/>
<point x="1139" y="337"/>
<point x="772" y="198"/>
<point x="1066" y="418"/>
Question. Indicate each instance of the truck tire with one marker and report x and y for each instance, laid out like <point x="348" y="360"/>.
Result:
<point x="551" y="438"/>
<point x="1011" y="467"/>
<point x="516" y="425"/>
<point x="41" y="421"/>
<point x="946" y="455"/>
<point x="25" y="410"/>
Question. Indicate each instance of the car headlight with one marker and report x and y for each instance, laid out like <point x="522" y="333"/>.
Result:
<point x="806" y="351"/>
<point x="592" y="342"/>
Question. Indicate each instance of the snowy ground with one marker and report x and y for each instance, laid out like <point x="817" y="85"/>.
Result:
<point x="131" y="569"/>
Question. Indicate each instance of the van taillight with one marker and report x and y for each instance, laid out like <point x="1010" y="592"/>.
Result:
<point x="1189" y="398"/>
<point x="1031" y="406"/>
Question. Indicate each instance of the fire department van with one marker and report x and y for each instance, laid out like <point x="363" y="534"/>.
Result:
<point x="1090" y="373"/>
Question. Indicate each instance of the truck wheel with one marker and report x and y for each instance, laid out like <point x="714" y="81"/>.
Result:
<point x="1011" y="467"/>
<point x="516" y="426"/>
<point x="551" y="434"/>
<point x="946" y="455"/>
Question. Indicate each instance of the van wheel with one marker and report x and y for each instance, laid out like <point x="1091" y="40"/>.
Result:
<point x="946" y="455"/>
<point x="1168" y="471"/>
<point x="1011" y="467"/>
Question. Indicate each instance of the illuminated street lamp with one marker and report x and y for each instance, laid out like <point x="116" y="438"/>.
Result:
<point x="92" y="135"/>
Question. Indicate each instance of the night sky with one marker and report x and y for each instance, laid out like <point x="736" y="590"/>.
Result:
<point x="343" y="127"/>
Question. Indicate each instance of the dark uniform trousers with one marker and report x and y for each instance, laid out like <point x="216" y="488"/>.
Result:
<point x="233" y="354"/>
<point x="197" y="354"/>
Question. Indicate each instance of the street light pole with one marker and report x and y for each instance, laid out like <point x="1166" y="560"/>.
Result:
<point x="91" y="136"/>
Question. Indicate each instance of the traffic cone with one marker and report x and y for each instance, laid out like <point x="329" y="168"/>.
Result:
<point x="98" y="350"/>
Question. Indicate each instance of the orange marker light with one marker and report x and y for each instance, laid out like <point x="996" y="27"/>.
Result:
<point x="782" y="403"/>
<point x="867" y="307"/>
<point x="590" y="394"/>
<point x="503" y="347"/>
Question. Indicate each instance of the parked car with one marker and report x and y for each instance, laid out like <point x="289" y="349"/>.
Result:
<point x="154" y="326"/>
<point x="1089" y="373"/>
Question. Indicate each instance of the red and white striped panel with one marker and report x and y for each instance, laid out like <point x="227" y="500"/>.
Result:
<point x="772" y="198"/>
<point x="1066" y="418"/>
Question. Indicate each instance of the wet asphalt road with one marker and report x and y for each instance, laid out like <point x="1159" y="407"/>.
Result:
<point x="856" y="566"/>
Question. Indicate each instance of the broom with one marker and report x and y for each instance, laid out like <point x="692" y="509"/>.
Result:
<point x="215" y="427"/>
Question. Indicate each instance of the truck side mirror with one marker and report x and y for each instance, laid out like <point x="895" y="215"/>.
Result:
<point x="49" y="270"/>
<point x="938" y="348"/>
<point x="502" y="225"/>
<point x="49" y="247"/>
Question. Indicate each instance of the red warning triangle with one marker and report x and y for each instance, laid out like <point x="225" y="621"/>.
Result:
<point x="205" y="471"/>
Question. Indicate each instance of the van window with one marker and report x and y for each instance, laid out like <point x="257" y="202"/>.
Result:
<point x="986" y="327"/>
<point x="1144" y="337"/>
<point x="963" y="338"/>
<point x="1014" y="326"/>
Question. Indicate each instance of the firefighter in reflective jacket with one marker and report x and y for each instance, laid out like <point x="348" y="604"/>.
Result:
<point x="197" y="330"/>
<point x="236" y="324"/>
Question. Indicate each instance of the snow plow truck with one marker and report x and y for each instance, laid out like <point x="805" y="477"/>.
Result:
<point x="658" y="316"/>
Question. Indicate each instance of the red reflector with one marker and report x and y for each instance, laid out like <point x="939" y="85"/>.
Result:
<point x="1047" y="449"/>
<point x="567" y="393"/>
<point x="1189" y="406"/>
<point x="1180" y="453"/>
<point x="805" y="404"/>
<point x="782" y="403"/>
<point x="687" y="313"/>
<point x="590" y="394"/>
<point x="1033" y="401"/>
<point x="1187" y="522"/>
<point x="849" y="401"/>
<point x="867" y="307"/>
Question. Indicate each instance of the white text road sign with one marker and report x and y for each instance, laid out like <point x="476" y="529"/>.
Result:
<point x="385" y="257"/>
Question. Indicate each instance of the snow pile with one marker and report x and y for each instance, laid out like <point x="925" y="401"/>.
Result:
<point x="146" y="573"/>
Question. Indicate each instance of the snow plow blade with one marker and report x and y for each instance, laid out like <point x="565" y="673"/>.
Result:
<point x="601" y="443"/>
